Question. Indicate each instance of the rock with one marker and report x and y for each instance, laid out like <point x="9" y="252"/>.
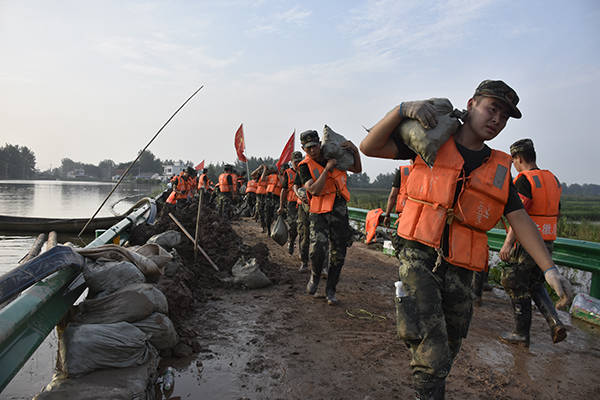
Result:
<point x="182" y="350"/>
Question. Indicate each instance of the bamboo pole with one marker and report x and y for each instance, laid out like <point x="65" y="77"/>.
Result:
<point x="192" y="239"/>
<point x="137" y="158"/>
<point x="200" y="196"/>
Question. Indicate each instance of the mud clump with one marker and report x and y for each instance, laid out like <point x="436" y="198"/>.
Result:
<point x="189" y="280"/>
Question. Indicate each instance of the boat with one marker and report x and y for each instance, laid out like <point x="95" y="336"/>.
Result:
<point x="61" y="225"/>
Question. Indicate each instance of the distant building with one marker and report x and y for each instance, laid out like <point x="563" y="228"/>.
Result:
<point x="76" y="173"/>
<point x="173" y="169"/>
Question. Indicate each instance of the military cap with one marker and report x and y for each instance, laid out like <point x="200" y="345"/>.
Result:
<point x="522" y="145"/>
<point x="501" y="91"/>
<point x="297" y="156"/>
<point x="309" y="138"/>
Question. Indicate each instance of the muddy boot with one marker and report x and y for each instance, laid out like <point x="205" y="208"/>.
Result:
<point x="313" y="283"/>
<point x="522" y="315"/>
<point x="332" y="281"/>
<point x="544" y="303"/>
<point x="433" y="391"/>
<point x="291" y="246"/>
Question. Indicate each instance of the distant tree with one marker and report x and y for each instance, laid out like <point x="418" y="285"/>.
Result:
<point x="16" y="162"/>
<point x="149" y="163"/>
<point x="107" y="169"/>
<point x="361" y="180"/>
<point x="384" y="180"/>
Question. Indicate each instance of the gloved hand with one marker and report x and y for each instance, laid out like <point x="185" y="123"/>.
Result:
<point x="561" y="286"/>
<point x="422" y="110"/>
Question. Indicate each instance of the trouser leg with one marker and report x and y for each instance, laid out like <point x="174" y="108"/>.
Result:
<point x="440" y="316"/>
<point x="304" y="234"/>
<point x="544" y="303"/>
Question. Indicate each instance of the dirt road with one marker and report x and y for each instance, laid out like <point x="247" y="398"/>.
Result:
<point x="279" y="343"/>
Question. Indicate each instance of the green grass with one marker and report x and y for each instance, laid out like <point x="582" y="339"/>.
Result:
<point x="579" y="214"/>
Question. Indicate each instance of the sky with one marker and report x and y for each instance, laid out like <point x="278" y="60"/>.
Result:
<point x="96" y="80"/>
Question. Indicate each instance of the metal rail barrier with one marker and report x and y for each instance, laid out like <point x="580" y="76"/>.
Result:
<point x="578" y="254"/>
<point x="27" y="320"/>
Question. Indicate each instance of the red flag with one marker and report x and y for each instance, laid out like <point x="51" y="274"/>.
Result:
<point x="199" y="166"/>
<point x="239" y="144"/>
<point x="286" y="154"/>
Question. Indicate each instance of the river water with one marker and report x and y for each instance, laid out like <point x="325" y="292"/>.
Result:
<point x="56" y="199"/>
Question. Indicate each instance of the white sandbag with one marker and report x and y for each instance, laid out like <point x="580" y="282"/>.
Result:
<point x="331" y="148"/>
<point x="426" y="143"/>
<point x="248" y="274"/>
<point x="132" y="303"/>
<point x="160" y="329"/>
<point x="279" y="230"/>
<point x="88" y="347"/>
<point x="104" y="278"/>
<point x="118" y="253"/>
<point x="167" y="239"/>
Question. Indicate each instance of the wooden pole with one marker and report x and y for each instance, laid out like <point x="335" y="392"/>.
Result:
<point x="192" y="239"/>
<point x="137" y="158"/>
<point x="35" y="248"/>
<point x="200" y="195"/>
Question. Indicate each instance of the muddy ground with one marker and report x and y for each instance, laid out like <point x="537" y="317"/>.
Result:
<point x="279" y="343"/>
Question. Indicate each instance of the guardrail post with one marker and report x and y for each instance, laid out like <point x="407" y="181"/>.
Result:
<point x="595" y="285"/>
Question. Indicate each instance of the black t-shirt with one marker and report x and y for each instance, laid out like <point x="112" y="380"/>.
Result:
<point x="524" y="187"/>
<point x="397" y="178"/>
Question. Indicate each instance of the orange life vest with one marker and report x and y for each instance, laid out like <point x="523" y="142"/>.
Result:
<point x="291" y="176"/>
<point x="251" y="186"/>
<point x="334" y="184"/>
<point x="180" y="189"/>
<point x="430" y="204"/>
<point x="273" y="184"/>
<point x="224" y="186"/>
<point x="203" y="182"/>
<point x="401" y="199"/>
<point x="371" y="222"/>
<point x="545" y="195"/>
<point x="262" y="186"/>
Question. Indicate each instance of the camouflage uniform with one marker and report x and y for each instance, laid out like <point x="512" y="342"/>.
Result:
<point x="304" y="232"/>
<point x="292" y="220"/>
<point x="434" y="322"/>
<point x="271" y="206"/>
<point x="260" y="209"/>
<point x="522" y="274"/>
<point x="224" y="204"/>
<point x="330" y="228"/>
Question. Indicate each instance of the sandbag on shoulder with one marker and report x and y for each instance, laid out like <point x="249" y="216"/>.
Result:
<point x="331" y="148"/>
<point x="132" y="303"/>
<point x="87" y="347"/>
<point x="426" y="143"/>
<point x="160" y="330"/>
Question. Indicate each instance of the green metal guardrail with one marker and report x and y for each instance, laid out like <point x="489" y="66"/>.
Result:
<point x="578" y="254"/>
<point x="27" y="320"/>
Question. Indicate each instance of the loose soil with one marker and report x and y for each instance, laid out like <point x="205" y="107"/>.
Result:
<point x="279" y="343"/>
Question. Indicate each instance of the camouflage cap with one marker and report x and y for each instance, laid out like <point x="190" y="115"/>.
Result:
<point x="309" y="138"/>
<point x="297" y="156"/>
<point x="500" y="90"/>
<point x="520" y="146"/>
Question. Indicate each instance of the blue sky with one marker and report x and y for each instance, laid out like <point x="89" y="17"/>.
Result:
<point x="95" y="80"/>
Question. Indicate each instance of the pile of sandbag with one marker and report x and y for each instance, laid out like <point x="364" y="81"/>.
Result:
<point x="110" y="345"/>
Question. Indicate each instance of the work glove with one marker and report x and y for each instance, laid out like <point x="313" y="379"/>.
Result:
<point x="422" y="110"/>
<point x="561" y="286"/>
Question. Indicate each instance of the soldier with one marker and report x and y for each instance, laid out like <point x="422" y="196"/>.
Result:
<point x="540" y="192"/>
<point x="444" y="222"/>
<point x="289" y="200"/>
<point x="303" y="221"/>
<point x="227" y="191"/>
<point x="329" y="193"/>
<point x="250" y="197"/>
<point x="261" y="194"/>
<point x="272" y="199"/>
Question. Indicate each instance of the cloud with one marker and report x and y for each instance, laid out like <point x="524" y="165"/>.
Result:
<point x="281" y="21"/>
